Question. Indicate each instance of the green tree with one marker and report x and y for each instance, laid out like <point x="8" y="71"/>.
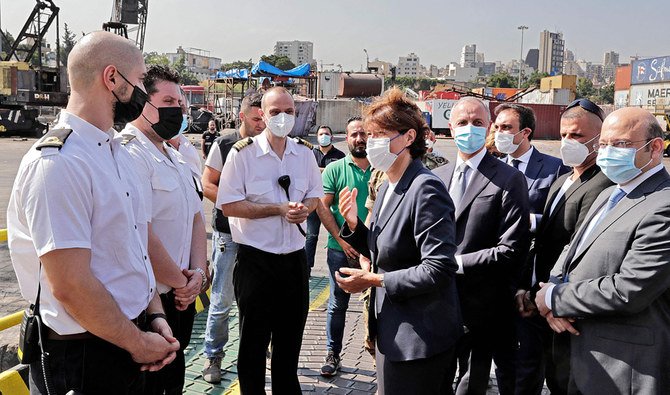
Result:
<point x="7" y="42"/>
<point x="238" y="64"/>
<point x="606" y="94"/>
<point x="534" y="79"/>
<point x="281" y="62"/>
<point x="69" y="40"/>
<point x="154" y="58"/>
<point x="585" y="88"/>
<point x="501" y="80"/>
<point x="186" y="76"/>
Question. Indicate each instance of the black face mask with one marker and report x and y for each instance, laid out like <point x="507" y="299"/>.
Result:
<point x="169" y="121"/>
<point x="131" y="110"/>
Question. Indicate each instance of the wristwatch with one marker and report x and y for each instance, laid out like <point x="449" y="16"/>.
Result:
<point x="203" y="276"/>
<point x="153" y="316"/>
<point x="382" y="281"/>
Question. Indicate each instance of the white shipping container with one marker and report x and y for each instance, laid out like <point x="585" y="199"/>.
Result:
<point x="621" y="99"/>
<point x="650" y="96"/>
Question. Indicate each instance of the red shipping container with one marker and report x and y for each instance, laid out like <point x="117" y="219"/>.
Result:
<point x="547" y="119"/>
<point x="622" y="78"/>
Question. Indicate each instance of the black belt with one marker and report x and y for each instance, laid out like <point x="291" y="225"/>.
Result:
<point x="140" y="322"/>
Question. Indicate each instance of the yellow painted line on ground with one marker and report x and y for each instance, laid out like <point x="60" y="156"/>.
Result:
<point x="12" y="383"/>
<point x="320" y="299"/>
<point x="11" y="320"/>
<point x="3" y="235"/>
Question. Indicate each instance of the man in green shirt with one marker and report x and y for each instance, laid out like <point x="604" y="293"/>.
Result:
<point x="352" y="171"/>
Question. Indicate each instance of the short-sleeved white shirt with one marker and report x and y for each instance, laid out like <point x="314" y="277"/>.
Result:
<point x="252" y="174"/>
<point x="84" y="195"/>
<point x="191" y="155"/>
<point x="174" y="200"/>
<point x="214" y="159"/>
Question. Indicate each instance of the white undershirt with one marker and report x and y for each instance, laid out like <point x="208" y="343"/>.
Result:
<point x="387" y="196"/>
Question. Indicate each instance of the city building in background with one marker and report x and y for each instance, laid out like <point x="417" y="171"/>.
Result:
<point x="409" y="66"/>
<point x="300" y="52"/>
<point x="551" y="53"/>
<point x="197" y="61"/>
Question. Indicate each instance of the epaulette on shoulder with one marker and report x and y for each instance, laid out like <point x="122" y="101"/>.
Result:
<point x="304" y="142"/>
<point x="243" y="143"/>
<point x="127" y="138"/>
<point x="54" y="139"/>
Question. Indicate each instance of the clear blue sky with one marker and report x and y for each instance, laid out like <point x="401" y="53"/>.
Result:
<point x="436" y="30"/>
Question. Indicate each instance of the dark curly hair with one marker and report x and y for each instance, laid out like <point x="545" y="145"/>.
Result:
<point x="156" y="74"/>
<point x="395" y="111"/>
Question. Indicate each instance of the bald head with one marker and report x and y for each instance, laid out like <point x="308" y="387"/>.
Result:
<point x="470" y="103"/>
<point x="94" y="52"/>
<point x="640" y="123"/>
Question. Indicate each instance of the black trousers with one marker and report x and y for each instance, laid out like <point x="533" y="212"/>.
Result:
<point x="272" y="295"/>
<point x="170" y="379"/>
<point x="532" y="333"/>
<point x="92" y="366"/>
<point x="477" y="349"/>
<point x="421" y="376"/>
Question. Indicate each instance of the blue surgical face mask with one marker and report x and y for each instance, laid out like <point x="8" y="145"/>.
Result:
<point x="618" y="164"/>
<point x="184" y="124"/>
<point x="324" y="140"/>
<point x="469" y="138"/>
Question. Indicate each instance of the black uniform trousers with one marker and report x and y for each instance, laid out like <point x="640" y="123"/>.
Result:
<point x="91" y="366"/>
<point x="170" y="379"/>
<point x="272" y="294"/>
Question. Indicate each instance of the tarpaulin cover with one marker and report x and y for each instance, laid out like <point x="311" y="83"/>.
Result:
<point x="264" y="68"/>
<point x="241" y="74"/>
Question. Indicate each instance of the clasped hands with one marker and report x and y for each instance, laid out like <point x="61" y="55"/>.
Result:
<point x="187" y="294"/>
<point x="557" y="324"/>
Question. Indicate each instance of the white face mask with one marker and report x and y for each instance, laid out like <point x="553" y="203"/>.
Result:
<point x="573" y="152"/>
<point x="379" y="153"/>
<point x="281" y="124"/>
<point x="505" y="142"/>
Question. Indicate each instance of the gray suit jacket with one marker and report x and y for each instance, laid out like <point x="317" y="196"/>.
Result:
<point x="619" y="289"/>
<point x="492" y="234"/>
<point x="411" y="241"/>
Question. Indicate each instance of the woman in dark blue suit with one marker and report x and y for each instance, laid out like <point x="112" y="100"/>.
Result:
<point x="415" y="316"/>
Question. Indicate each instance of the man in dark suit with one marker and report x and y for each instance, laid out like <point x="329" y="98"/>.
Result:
<point x="492" y="234"/>
<point x="514" y="128"/>
<point x="611" y="286"/>
<point x="544" y="353"/>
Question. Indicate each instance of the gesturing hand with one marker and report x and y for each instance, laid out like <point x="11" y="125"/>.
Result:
<point x="348" y="207"/>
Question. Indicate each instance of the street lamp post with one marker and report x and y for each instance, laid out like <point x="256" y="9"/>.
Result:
<point x="522" y="28"/>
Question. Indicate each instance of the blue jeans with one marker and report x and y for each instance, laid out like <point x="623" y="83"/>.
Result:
<point x="313" y="227"/>
<point x="221" y="300"/>
<point x="338" y="302"/>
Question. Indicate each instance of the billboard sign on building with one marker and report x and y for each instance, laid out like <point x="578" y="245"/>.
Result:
<point x="651" y="71"/>
<point x="441" y="112"/>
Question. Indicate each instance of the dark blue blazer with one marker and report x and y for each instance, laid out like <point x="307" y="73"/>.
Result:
<point x="412" y="241"/>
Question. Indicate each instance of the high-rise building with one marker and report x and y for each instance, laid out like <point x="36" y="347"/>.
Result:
<point x="469" y="55"/>
<point x="611" y="58"/>
<point x="532" y="58"/>
<point x="299" y="52"/>
<point x="552" y="48"/>
<point x="408" y="66"/>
